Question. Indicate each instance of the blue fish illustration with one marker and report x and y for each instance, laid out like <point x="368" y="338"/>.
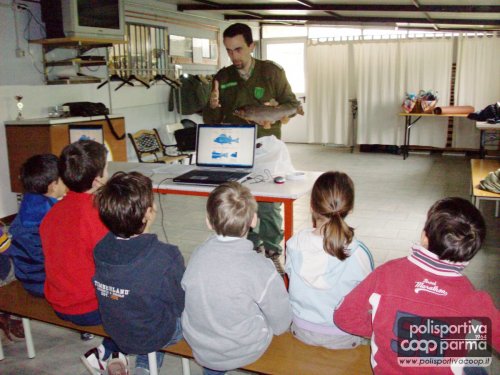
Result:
<point x="234" y="155"/>
<point x="222" y="139"/>
<point x="218" y="155"/>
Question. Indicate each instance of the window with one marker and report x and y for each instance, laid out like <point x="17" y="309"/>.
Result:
<point x="290" y="55"/>
<point x="146" y="53"/>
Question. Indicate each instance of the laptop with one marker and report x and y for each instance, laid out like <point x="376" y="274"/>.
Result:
<point x="223" y="153"/>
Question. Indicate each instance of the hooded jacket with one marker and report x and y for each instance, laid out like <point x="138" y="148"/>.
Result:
<point x="319" y="281"/>
<point x="26" y="249"/>
<point x="138" y="286"/>
<point x="235" y="303"/>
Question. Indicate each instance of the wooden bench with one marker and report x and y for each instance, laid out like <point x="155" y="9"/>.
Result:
<point x="479" y="170"/>
<point x="285" y="355"/>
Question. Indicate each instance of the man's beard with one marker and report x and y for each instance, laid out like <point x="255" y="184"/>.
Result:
<point x="239" y="64"/>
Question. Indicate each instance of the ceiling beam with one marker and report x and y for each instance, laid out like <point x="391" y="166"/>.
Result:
<point x="305" y="2"/>
<point x="215" y="6"/>
<point x="429" y="18"/>
<point x="443" y="21"/>
<point x="310" y="5"/>
<point x="208" y="5"/>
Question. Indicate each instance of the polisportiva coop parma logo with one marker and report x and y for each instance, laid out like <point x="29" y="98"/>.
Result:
<point x="443" y="341"/>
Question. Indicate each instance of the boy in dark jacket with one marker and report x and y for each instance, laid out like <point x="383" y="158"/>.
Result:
<point x="42" y="188"/>
<point x="137" y="277"/>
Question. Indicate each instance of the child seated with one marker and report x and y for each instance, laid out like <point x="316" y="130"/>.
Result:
<point x="11" y="326"/>
<point x="137" y="278"/>
<point x="325" y="263"/>
<point x="42" y="188"/>
<point x="398" y="301"/>
<point x="235" y="299"/>
<point x="69" y="233"/>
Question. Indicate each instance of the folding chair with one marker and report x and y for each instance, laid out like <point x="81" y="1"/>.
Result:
<point x="150" y="149"/>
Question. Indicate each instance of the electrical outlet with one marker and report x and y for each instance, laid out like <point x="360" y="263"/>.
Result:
<point x="20" y="52"/>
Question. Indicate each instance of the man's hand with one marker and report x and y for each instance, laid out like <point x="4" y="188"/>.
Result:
<point x="214" y="95"/>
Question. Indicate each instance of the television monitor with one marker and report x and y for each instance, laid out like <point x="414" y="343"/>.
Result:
<point x="84" y="18"/>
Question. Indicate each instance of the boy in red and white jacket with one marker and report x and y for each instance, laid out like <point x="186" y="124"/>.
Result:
<point x="398" y="304"/>
<point x="69" y="233"/>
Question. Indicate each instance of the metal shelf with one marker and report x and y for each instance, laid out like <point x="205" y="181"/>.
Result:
<point x="82" y="45"/>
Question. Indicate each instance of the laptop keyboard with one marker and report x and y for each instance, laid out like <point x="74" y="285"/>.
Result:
<point x="216" y="176"/>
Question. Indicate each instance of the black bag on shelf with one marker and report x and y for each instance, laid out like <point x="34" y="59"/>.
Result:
<point x="89" y="109"/>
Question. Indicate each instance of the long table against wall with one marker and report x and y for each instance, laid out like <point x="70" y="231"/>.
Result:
<point x="29" y="137"/>
<point x="411" y="119"/>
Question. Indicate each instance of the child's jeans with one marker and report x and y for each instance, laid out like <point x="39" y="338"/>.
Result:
<point x="92" y="318"/>
<point x="142" y="360"/>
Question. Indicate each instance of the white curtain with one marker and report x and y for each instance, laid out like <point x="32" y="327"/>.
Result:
<point x="426" y="64"/>
<point x="377" y="73"/>
<point x="477" y="83"/>
<point x="377" y="68"/>
<point x="327" y="92"/>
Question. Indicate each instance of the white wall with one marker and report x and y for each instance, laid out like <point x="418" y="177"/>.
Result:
<point x="142" y="108"/>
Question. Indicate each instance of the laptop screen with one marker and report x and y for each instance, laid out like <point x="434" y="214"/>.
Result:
<point x="225" y="146"/>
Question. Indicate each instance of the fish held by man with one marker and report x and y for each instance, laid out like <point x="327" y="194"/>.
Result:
<point x="266" y="115"/>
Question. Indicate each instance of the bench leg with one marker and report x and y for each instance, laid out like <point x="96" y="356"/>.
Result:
<point x="477" y="202"/>
<point x="30" y="346"/>
<point x="185" y="367"/>
<point x="1" y="349"/>
<point x="153" y="367"/>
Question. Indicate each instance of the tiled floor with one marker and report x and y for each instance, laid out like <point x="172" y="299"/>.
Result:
<point x="392" y="198"/>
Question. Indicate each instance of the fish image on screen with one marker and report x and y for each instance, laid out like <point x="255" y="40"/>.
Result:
<point x="219" y="155"/>
<point x="225" y="139"/>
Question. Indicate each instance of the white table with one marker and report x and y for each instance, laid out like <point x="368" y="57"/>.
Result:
<point x="266" y="191"/>
<point x="483" y="126"/>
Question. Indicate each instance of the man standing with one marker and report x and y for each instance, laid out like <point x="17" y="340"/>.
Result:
<point x="249" y="81"/>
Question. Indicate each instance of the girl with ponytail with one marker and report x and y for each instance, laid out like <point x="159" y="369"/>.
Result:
<point x="324" y="263"/>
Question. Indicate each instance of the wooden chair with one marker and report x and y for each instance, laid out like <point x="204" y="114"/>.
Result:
<point x="150" y="149"/>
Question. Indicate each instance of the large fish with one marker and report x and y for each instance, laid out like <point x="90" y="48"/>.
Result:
<point x="266" y="115"/>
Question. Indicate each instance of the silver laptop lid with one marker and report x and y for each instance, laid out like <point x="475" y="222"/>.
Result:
<point x="226" y="146"/>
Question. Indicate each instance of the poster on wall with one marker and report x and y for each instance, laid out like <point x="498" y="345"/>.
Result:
<point x="89" y="133"/>
<point x="85" y="133"/>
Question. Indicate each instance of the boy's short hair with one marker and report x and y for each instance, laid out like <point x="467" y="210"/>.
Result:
<point x="230" y="209"/>
<point x="455" y="229"/>
<point x="38" y="172"/>
<point x="123" y="201"/>
<point x="239" y="29"/>
<point x="80" y="163"/>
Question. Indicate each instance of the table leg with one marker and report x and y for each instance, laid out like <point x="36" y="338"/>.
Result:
<point x="288" y="220"/>
<point x="406" y="144"/>
<point x="481" y="144"/>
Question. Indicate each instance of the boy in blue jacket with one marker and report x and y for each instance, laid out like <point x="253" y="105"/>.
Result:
<point x="137" y="277"/>
<point x="42" y="188"/>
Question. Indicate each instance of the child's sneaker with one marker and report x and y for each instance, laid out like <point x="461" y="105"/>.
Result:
<point x="85" y="336"/>
<point x="117" y="364"/>
<point x="93" y="360"/>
